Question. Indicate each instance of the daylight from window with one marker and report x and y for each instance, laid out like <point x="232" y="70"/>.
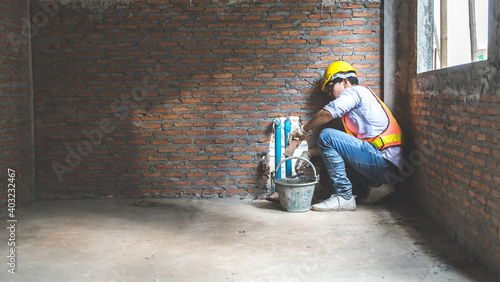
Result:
<point x="459" y="47"/>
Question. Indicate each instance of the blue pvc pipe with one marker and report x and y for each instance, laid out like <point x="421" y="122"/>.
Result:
<point x="277" y="146"/>
<point x="288" y="164"/>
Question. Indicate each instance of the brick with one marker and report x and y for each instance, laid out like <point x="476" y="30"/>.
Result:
<point x="296" y="41"/>
<point x="341" y="32"/>
<point x="325" y="42"/>
<point x="238" y="173"/>
<point x="235" y="191"/>
<point x="351" y="23"/>
<point x="319" y="32"/>
<point x="225" y="182"/>
<point x="195" y="174"/>
<point x="361" y="15"/>
<point x="211" y="191"/>
<point x="349" y="41"/>
<point x="363" y="31"/>
<point x="306" y="25"/>
<point x="341" y="15"/>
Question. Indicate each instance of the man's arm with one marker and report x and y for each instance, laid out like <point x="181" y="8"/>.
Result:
<point x="320" y="118"/>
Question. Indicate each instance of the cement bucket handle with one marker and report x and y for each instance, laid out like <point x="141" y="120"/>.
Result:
<point x="295" y="157"/>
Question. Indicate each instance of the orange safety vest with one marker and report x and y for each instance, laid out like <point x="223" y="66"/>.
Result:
<point x="391" y="136"/>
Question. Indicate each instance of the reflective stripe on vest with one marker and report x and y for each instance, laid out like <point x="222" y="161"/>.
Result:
<point x="391" y="136"/>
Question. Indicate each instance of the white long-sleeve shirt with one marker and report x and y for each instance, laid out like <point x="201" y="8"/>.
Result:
<point x="368" y="118"/>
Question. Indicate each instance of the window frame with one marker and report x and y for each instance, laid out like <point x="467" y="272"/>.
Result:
<point x="471" y="79"/>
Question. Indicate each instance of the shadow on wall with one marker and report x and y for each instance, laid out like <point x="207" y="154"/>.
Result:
<point x="170" y="99"/>
<point x="16" y="136"/>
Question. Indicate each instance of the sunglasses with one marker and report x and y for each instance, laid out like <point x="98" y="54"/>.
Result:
<point x="330" y="86"/>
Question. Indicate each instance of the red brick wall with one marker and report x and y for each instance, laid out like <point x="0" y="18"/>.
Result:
<point x="16" y="145"/>
<point x="458" y="183"/>
<point x="454" y="127"/>
<point x="178" y="97"/>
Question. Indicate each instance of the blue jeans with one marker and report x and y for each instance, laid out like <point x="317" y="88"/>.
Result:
<point x="339" y="148"/>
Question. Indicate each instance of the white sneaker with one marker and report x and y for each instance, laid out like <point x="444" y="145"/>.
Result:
<point x="376" y="194"/>
<point x="336" y="203"/>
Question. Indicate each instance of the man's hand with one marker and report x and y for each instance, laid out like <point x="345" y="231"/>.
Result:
<point x="300" y="165"/>
<point x="299" y="134"/>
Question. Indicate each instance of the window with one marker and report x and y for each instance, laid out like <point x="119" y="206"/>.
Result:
<point x="453" y="43"/>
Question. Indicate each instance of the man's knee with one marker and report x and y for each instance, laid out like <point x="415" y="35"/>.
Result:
<point x="327" y="137"/>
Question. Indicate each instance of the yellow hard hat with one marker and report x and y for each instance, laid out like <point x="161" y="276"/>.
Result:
<point x="339" y="66"/>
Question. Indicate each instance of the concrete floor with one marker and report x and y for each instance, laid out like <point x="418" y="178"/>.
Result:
<point x="229" y="240"/>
